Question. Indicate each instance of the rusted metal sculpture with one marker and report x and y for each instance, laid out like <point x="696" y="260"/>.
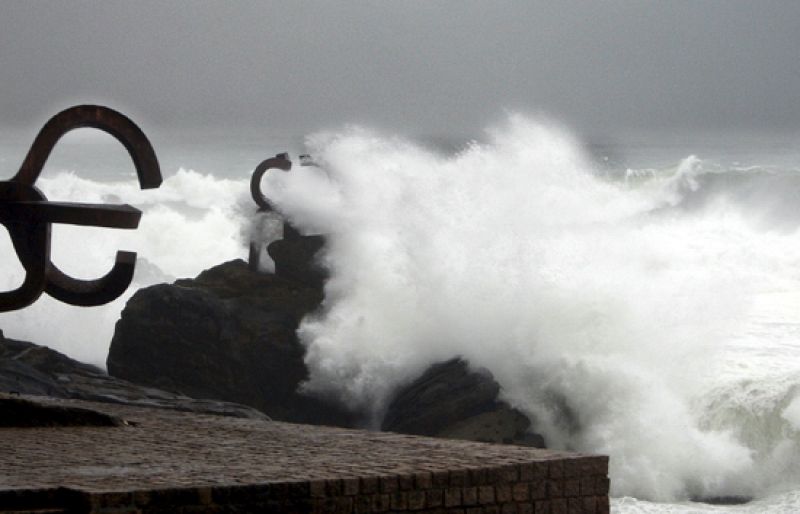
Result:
<point x="28" y="216"/>
<point x="279" y="162"/>
<point x="294" y="254"/>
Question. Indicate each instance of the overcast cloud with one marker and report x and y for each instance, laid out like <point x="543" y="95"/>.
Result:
<point x="434" y="67"/>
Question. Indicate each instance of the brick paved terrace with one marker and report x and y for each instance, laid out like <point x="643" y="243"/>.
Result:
<point x="163" y="461"/>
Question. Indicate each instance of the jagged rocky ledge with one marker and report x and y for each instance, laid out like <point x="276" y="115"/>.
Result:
<point x="230" y="334"/>
<point x="225" y="342"/>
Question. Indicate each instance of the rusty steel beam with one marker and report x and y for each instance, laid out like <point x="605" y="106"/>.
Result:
<point x="28" y="216"/>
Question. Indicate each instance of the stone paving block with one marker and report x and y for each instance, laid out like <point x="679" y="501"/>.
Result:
<point x="526" y="508"/>
<point x="400" y="501"/>
<point x="416" y="500"/>
<point x="602" y="486"/>
<point x="502" y="492"/>
<point x="572" y="487"/>
<point x="440" y="479"/>
<point x="452" y="497"/>
<point x="521" y="492"/>
<point x="572" y="467"/>
<point x="170" y="497"/>
<point x="533" y="471"/>
<point x="458" y="478"/>
<point x="318" y="488"/>
<point x="434" y="498"/>
<point x="508" y="508"/>
<point x="423" y="480"/>
<point x="589" y="505"/>
<point x="389" y="484"/>
<point x="350" y="486"/>
<point x="556" y="470"/>
<point x="486" y="495"/>
<point x="558" y="506"/>
<point x="509" y="473"/>
<point x="381" y="502"/>
<point x="469" y="496"/>
<point x="587" y="484"/>
<point x="477" y="477"/>
<point x="555" y="489"/>
<point x="405" y="482"/>
<point x="594" y="465"/>
<point x="343" y="505"/>
<point x="129" y="499"/>
<point x="602" y="504"/>
<point x="334" y="488"/>
<point x="369" y="485"/>
<point x="538" y="490"/>
<point x="363" y="504"/>
<point x="324" y="506"/>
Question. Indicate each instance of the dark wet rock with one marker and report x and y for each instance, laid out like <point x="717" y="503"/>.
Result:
<point x="30" y="369"/>
<point x="296" y="258"/>
<point x="25" y="413"/>
<point x="228" y="334"/>
<point x="452" y="400"/>
<point x="724" y="500"/>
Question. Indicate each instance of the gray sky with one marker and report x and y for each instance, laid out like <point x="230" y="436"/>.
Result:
<point x="427" y="67"/>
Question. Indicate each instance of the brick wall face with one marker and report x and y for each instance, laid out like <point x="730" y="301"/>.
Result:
<point x="558" y="486"/>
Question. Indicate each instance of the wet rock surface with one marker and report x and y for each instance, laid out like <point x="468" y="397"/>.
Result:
<point x="228" y="334"/>
<point x="452" y="400"/>
<point x="296" y="259"/>
<point x="23" y="413"/>
<point x="27" y="368"/>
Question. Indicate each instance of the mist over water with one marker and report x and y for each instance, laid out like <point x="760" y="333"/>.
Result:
<point x="648" y="312"/>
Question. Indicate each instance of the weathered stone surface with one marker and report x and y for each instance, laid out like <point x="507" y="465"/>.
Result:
<point x="26" y="368"/>
<point x="451" y="400"/>
<point x="21" y="412"/>
<point x="229" y="334"/>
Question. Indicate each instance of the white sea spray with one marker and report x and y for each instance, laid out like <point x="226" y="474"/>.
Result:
<point x="605" y="309"/>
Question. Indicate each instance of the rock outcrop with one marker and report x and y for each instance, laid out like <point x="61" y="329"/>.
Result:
<point x="25" y="413"/>
<point x="29" y="369"/>
<point x="228" y="334"/>
<point x="296" y="259"/>
<point x="453" y="401"/>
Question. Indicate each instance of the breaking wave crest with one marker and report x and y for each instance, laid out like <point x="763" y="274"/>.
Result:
<point x="612" y="310"/>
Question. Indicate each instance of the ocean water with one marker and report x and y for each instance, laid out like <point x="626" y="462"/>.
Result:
<point x="638" y="298"/>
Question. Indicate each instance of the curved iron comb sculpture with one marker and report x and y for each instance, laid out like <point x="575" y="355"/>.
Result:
<point x="28" y="216"/>
<point x="279" y="162"/>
